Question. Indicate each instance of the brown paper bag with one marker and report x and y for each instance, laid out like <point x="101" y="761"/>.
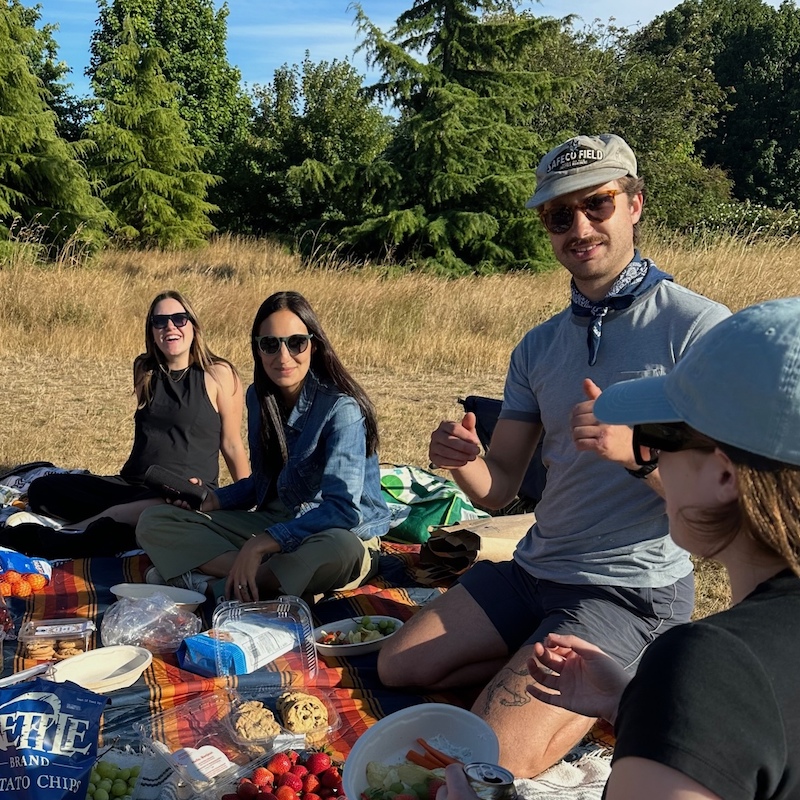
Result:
<point x="452" y="549"/>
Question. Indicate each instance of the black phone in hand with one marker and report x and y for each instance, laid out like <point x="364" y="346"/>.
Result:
<point x="172" y="486"/>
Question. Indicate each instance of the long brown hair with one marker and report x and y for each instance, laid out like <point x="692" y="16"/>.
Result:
<point x="767" y="508"/>
<point x="152" y="360"/>
<point x="325" y="365"/>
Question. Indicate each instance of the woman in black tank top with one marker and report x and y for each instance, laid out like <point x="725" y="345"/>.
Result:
<point x="189" y="410"/>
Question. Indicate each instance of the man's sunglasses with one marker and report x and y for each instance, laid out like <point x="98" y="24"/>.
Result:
<point x="597" y="208"/>
<point x="179" y="320"/>
<point x="666" y="437"/>
<point x="295" y="344"/>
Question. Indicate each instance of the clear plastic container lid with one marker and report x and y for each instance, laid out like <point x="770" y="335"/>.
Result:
<point x="55" y="639"/>
<point x="272" y="642"/>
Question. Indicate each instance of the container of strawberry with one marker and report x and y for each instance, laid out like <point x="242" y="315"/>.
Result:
<point x="288" y="775"/>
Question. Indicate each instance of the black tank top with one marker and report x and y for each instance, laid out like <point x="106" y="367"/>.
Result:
<point x="178" y="429"/>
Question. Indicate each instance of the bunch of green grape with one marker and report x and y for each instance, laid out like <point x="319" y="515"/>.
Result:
<point x="109" y="781"/>
<point x="384" y="626"/>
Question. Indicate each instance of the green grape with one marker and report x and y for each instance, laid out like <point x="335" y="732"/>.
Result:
<point x="105" y="785"/>
<point x="135" y="770"/>
<point x="101" y="794"/>
<point x="119" y="788"/>
<point x="95" y="776"/>
<point x="124" y="774"/>
<point x="104" y="769"/>
<point x="91" y="789"/>
<point x="366" y="621"/>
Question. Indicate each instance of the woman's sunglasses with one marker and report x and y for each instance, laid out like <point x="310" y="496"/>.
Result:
<point x="295" y="344"/>
<point x="597" y="208"/>
<point x="179" y="320"/>
<point x="669" y="438"/>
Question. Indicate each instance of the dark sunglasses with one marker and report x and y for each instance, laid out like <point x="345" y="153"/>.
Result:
<point x="296" y="343"/>
<point x="179" y="320"/>
<point x="597" y="208"/>
<point x="666" y="437"/>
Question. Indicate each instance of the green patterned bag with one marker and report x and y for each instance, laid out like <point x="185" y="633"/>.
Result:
<point x="419" y="500"/>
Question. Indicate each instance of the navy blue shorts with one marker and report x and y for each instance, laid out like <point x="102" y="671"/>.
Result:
<point x="620" y="620"/>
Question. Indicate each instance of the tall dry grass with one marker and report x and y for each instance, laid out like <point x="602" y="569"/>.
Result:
<point x="69" y="332"/>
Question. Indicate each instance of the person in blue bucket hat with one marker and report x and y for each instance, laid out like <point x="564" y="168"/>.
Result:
<point x="714" y="709"/>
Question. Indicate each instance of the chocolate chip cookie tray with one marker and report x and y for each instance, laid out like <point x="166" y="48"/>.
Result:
<point x="55" y="639"/>
<point x="306" y="713"/>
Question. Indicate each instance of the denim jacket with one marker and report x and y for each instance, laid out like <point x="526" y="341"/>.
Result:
<point x="327" y="481"/>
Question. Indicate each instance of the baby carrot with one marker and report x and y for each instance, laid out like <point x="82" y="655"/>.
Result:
<point x="438" y="755"/>
<point x="422" y="760"/>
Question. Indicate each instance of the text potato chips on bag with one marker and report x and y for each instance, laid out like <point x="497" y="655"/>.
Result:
<point x="48" y="740"/>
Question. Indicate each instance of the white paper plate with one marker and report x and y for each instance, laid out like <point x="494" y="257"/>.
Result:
<point x="185" y="598"/>
<point x="345" y="626"/>
<point x="390" y="738"/>
<point x="104" y="669"/>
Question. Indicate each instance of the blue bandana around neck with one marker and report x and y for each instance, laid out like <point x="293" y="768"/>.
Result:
<point x="639" y="276"/>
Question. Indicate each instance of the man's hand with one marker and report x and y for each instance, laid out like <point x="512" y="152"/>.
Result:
<point x="612" y="442"/>
<point x="456" y="787"/>
<point x="571" y="673"/>
<point x="454" y="444"/>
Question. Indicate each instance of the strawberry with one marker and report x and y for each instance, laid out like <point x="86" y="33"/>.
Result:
<point x="294" y="782"/>
<point x="310" y="783"/>
<point x="279" y="763"/>
<point x="311" y="796"/>
<point x="247" y="790"/>
<point x="262" y="777"/>
<point x="286" y="793"/>
<point x="299" y="769"/>
<point x="318" y="762"/>
<point x="293" y="756"/>
<point x="434" y="784"/>
<point x="330" y="777"/>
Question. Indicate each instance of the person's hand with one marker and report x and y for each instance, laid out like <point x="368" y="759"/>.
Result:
<point x="211" y="503"/>
<point x="241" y="582"/>
<point x="454" y="444"/>
<point x="571" y="673"/>
<point x="457" y="785"/>
<point x="612" y="442"/>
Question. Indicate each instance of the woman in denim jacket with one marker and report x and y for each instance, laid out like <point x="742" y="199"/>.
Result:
<point x="309" y="517"/>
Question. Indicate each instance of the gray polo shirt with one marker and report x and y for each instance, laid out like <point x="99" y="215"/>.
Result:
<point x="595" y="523"/>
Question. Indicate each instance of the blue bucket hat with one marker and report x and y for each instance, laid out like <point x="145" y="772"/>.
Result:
<point x="739" y="384"/>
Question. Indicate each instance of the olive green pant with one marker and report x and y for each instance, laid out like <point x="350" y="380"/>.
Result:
<point x="178" y="540"/>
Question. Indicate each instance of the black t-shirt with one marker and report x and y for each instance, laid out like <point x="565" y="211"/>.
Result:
<point x="178" y="429"/>
<point x="719" y="699"/>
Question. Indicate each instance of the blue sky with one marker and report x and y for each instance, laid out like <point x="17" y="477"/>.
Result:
<point x="265" y="34"/>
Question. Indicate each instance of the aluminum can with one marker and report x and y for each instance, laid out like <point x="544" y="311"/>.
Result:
<point x="490" y="782"/>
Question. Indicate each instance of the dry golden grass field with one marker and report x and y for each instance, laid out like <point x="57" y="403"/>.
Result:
<point x="69" y="333"/>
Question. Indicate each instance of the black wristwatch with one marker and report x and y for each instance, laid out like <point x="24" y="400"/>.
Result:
<point x="644" y="471"/>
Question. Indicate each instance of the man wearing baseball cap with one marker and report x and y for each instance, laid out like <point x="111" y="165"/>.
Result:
<point x="598" y="562"/>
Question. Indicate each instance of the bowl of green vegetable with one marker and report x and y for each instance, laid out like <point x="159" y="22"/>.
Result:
<point x="355" y="636"/>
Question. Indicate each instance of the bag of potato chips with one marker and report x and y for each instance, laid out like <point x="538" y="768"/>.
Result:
<point x="48" y="740"/>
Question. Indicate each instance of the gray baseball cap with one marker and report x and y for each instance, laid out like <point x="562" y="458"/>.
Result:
<point x="738" y="384"/>
<point x="581" y="163"/>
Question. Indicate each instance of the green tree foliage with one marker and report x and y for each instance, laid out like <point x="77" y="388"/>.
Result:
<point x="42" y="180"/>
<point x="660" y="102"/>
<point x="753" y="52"/>
<point x="146" y="162"/>
<point x="209" y="94"/>
<point x="449" y="192"/>
<point x="309" y="118"/>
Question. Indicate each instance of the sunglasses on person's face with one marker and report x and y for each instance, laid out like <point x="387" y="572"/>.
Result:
<point x="597" y="208"/>
<point x="179" y="320"/>
<point x="669" y="438"/>
<point x="296" y="343"/>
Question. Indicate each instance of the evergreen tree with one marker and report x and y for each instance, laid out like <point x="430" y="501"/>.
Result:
<point x="42" y="180"/>
<point x="450" y="190"/>
<point x="209" y="94"/>
<point x="148" y="166"/>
